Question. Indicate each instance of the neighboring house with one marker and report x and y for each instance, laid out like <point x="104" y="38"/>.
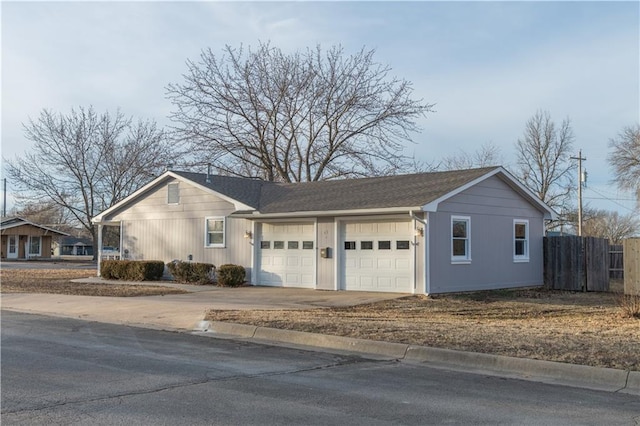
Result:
<point x="420" y="233"/>
<point x="73" y="246"/>
<point x="22" y="239"/>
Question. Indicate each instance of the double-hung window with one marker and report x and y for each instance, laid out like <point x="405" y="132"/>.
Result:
<point x="214" y="232"/>
<point x="520" y="240"/>
<point x="460" y="239"/>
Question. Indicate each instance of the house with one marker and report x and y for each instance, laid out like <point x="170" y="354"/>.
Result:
<point x="73" y="246"/>
<point x="419" y="233"/>
<point x="22" y="239"/>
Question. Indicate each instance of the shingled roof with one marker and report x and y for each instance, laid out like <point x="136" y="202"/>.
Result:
<point x="368" y="193"/>
<point x="400" y="191"/>
<point x="245" y="190"/>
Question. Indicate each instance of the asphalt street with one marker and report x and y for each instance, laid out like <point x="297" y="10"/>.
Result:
<point x="67" y="371"/>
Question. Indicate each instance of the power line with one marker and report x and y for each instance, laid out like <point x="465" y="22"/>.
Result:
<point x="612" y="200"/>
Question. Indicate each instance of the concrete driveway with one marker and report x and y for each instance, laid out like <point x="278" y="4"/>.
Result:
<point x="181" y="311"/>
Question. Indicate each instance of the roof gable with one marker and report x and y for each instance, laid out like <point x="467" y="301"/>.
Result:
<point x="226" y="188"/>
<point x="14" y="222"/>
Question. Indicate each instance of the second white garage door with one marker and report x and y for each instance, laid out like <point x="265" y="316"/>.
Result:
<point x="287" y="255"/>
<point x="376" y="256"/>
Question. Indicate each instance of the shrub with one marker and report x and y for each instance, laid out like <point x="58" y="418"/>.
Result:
<point x="630" y="305"/>
<point x="190" y="272"/>
<point x="130" y="270"/>
<point x="231" y="275"/>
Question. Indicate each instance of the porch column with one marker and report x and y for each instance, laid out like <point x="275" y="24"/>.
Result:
<point x="99" y="247"/>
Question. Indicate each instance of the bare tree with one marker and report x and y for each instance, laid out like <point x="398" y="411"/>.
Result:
<point x="487" y="155"/>
<point x="543" y="159"/>
<point x="606" y="224"/>
<point x="85" y="162"/>
<point x="625" y="159"/>
<point x="304" y="116"/>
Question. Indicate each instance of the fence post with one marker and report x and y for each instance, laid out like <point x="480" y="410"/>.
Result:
<point x="631" y="261"/>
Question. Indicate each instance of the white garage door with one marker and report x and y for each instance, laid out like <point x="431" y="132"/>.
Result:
<point x="376" y="256"/>
<point x="287" y="255"/>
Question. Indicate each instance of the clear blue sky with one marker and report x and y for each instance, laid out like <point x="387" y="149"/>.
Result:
<point x="488" y="66"/>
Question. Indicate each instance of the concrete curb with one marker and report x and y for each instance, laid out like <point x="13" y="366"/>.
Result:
<point x="604" y="379"/>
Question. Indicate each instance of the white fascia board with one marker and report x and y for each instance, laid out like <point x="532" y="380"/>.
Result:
<point x="100" y="217"/>
<point x="358" y="212"/>
<point x="550" y="214"/>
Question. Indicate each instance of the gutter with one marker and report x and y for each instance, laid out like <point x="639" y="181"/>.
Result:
<point x="316" y="213"/>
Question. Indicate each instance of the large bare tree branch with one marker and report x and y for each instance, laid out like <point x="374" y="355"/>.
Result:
<point x="303" y="116"/>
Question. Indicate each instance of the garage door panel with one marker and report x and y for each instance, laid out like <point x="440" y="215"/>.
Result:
<point x="385" y="263"/>
<point x="366" y="263"/>
<point x="402" y="264"/>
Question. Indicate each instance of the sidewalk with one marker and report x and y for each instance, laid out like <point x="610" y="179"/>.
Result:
<point x="185" y="313"/>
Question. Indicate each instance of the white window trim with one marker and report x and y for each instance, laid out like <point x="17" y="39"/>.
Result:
<point x="525" y="257"/>
<point x="460" y="260"/>
<point x="177" y="184"/>
<point x="206" y="231"/>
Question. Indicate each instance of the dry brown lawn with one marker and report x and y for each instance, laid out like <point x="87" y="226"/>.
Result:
<point x="579" y="328"/>
<point x="57" y="281"/>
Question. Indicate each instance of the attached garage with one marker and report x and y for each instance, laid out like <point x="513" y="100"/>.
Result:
<point x="376" y="255"/>
<point x="286" y="254"/>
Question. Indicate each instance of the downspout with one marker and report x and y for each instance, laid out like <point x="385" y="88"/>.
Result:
<point x="425" y="240"/>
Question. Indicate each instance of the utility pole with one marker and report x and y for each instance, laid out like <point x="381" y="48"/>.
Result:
<point x="4" y="193"/>
<point x="580" y="160"/>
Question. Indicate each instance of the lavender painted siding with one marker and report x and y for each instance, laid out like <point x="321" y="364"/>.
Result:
<point x="492" y="206"/>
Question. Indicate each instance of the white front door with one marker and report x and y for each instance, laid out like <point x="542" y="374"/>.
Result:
<point x="12" y="247"/>
<point x="286" y="255"/>
<point x="377" y="256"/>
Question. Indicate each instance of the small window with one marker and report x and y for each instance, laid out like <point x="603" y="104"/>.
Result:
<point x="460" y="239"/>
<point x="292" y="245"/>
<point x="402" y="245"/>
<point x="173" y="193"/>
<point x="366" y="245"/>
<point x="521" y="240"/>
<point x="349" y="245"/>
<point x="214" y="232"/>
<point x="384" y="245"/>
<point x="265" y="245"/>
<point x="278" y="245"/>
<point x="307" y="245"/>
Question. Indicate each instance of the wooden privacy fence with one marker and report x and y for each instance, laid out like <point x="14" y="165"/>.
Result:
<point x="576" y="263"/>
<point x="632" y="266"/>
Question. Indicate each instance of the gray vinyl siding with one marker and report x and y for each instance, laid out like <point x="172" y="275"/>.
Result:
<point x="326" y="267"/>
<point x="492" y="206"/>
<point x="152" y="229"/>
